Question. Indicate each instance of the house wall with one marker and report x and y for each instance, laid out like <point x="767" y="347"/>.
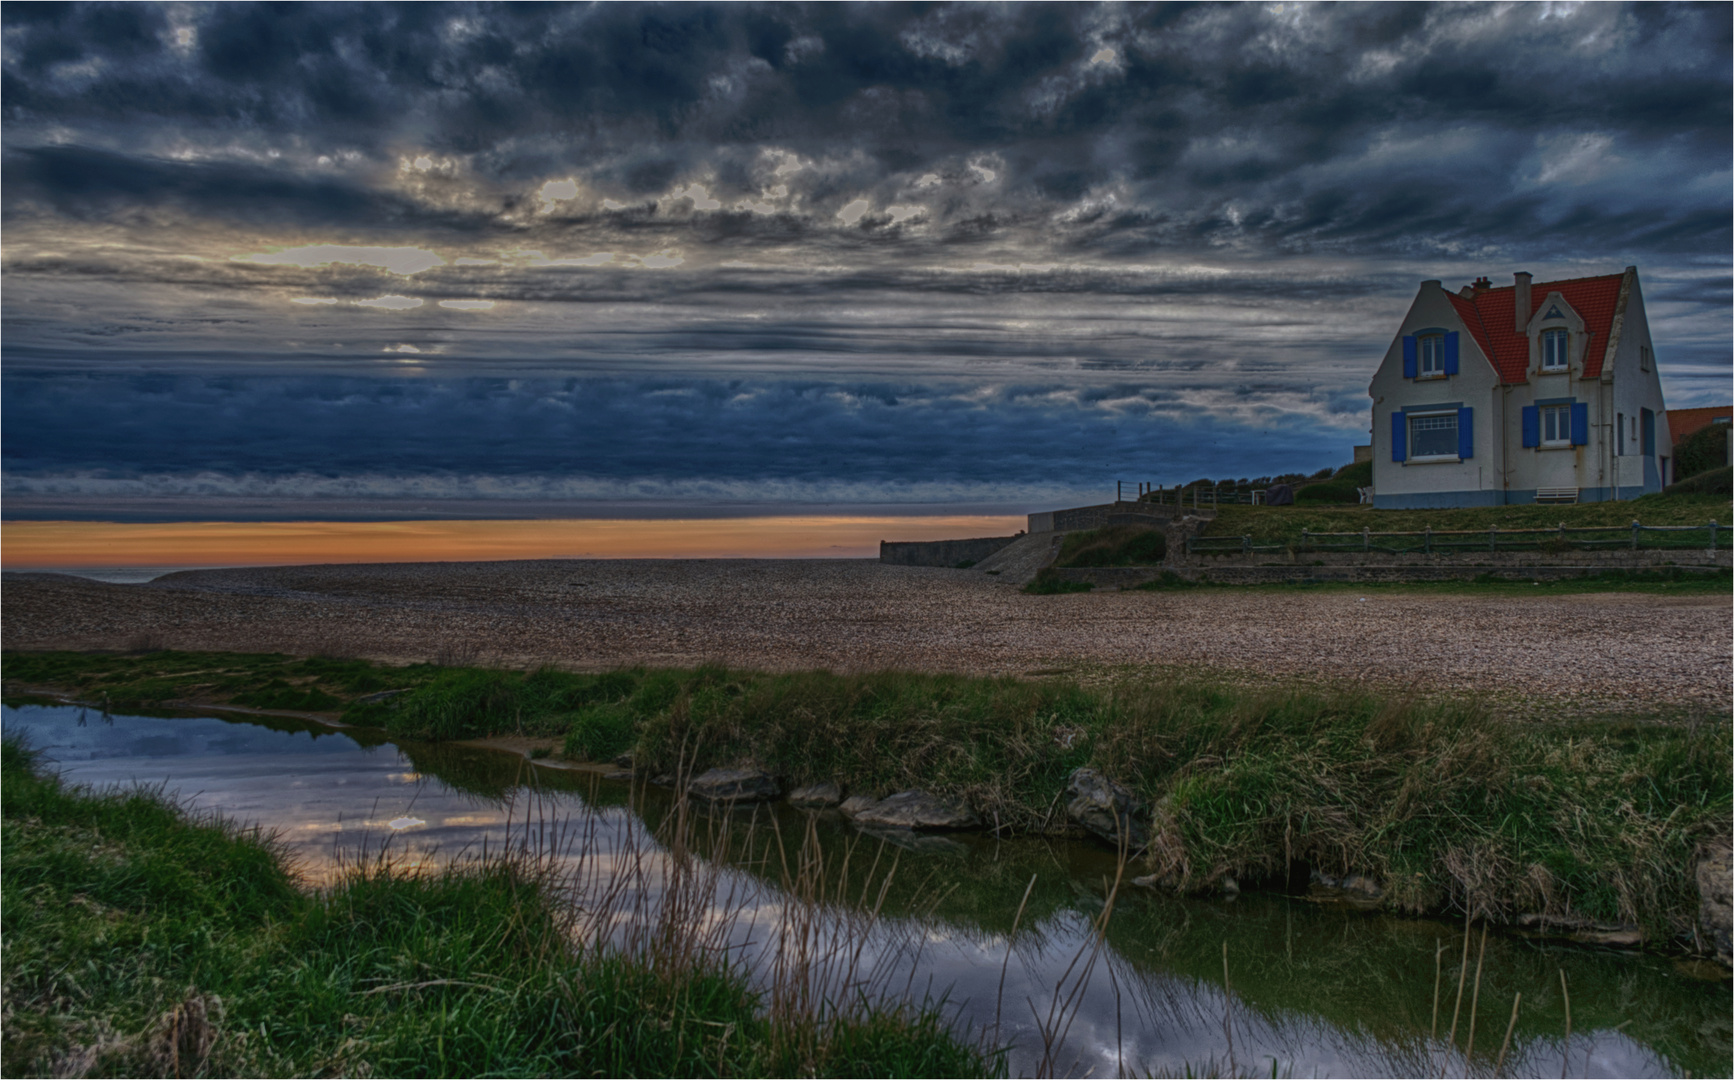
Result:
<point x="1473" y="481"/>
<point x="1633" y="390"/>
<point x="1584" y="467"/>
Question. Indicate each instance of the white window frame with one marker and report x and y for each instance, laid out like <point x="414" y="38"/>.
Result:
<point x="1561" y="417"/>
<point x="1562" y="356"/>
<point x="1410" y="419"/>
<point x="1430" y="356"/>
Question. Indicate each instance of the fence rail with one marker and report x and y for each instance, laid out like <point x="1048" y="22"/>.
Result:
<point x="1711" y="537"/>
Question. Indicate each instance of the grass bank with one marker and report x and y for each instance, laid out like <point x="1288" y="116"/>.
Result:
<point x="1452" y="807"/>
<point x="1667" y="581"/>
<point x="1283" y="524"/>
<point x="142" y="941"/>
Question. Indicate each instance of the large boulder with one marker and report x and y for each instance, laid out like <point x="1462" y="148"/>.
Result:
<point x="1107" y="809"/>
<point x="854" y="804"/>
<point x="734" y="785"/>
<point x="1714" y="889"/>
<point x="816" y="797"/>
<point x="918" y="810"/>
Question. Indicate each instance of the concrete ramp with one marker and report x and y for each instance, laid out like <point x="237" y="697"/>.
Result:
<point x="1019" y="562"/>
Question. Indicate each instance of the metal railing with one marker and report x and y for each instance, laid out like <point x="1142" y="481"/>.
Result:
<point x="1710" y="537"/>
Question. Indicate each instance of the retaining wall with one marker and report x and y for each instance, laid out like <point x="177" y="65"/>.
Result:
<point x="1115" y="513"/>
<point x="940" y="552"/>
<point x="1125" y="577"/>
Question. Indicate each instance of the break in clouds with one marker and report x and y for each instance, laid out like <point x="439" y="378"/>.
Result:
<point x="785" y="253"/>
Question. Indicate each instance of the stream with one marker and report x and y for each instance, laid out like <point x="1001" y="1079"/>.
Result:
<point x="1311" y="989"/>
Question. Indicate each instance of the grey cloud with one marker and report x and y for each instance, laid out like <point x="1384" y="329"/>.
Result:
<point x="636" y="97"/>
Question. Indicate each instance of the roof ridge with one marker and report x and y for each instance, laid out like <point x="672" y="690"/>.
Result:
<point x="1557" y="281"/>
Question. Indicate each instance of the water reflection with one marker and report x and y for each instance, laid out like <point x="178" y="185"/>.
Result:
<point x="1310" y="990"/>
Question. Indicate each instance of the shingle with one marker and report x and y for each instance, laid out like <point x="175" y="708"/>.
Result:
<point x="1490" y="318"/>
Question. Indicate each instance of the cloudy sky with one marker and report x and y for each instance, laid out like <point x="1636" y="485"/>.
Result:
<point x="619" y="259"/>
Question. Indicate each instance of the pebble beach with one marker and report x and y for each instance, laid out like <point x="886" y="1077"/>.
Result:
<point x="1621" y="649"/>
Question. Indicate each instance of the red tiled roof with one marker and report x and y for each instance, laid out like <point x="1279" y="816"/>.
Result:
<point x="1683" y="422"/>
<point x="1492" y="322"/>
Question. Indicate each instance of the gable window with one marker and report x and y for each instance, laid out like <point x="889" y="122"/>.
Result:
<point x="1643" y="358"/>
<point x="1553" y="350"/>
<point x="1556" y="425"/>
<point x="1620" y="433"/>
<point x="1433" y="435"/>
<point x="1432" y="352"/>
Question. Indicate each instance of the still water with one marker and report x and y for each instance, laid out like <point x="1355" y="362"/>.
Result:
<point x="1311" y="990"/>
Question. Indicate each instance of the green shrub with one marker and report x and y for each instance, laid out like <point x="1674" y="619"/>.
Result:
<point x="1115" y="545"/>
<point x="1715" y="482"/>
<point x="1702" y="451"/>
<point x="1332" y="491"/>
<point x="601" y="732"/>
<point x="1048" y="583"/>
<point x="1360" y="474"/>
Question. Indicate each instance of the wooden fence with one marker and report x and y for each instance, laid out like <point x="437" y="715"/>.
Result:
<point x="1635" y="537"/>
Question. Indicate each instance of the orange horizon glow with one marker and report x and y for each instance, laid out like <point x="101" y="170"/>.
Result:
<point x="70" y="544"/>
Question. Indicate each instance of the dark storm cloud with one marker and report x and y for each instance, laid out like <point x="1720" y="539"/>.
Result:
<point x="743" y="439"/>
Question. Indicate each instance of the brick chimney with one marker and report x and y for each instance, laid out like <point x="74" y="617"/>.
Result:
<point x="1520" y="307"/>
<point x="1482" y="284"/>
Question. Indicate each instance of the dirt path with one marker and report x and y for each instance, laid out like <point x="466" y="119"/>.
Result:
<point x="1624" y="648"/>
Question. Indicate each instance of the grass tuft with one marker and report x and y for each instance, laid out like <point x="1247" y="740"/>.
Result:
<point x="143" y="941"/>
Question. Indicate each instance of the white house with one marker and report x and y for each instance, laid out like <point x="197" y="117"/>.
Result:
<point x="1535" y="391"/>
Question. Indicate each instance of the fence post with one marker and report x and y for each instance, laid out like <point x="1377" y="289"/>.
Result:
<point x="1246" y="544"/>
<point x="1366" y="539"/>
<point x="1635" y="528"/>
<point x="1305" y="539"/>
<point x="1492" y="538"/>
<point x="1428" y="533"/>
<point x="1562" y="536"/>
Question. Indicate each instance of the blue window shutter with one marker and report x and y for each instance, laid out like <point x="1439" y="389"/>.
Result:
<point x="1465" y="432"/>
<point x="1580" y="424"/>
<point x="1409" y="363"/>
<point x="1399" y="435"/>
<point x="1451" y="356"/>
<point x="1532" y="425"/>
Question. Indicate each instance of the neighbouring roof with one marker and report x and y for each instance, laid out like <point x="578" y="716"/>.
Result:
<point x="1683" y="422"/>
<point x="1493" y="323"/>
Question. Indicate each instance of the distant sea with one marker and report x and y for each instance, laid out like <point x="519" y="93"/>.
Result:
<point x="116" y="575"/>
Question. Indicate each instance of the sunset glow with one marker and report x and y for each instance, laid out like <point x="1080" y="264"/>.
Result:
<point x="26" y="545"/>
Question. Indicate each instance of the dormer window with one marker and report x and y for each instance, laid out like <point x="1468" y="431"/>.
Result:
<point x="1432" y="355"/>
<point x="1553" y="350"/>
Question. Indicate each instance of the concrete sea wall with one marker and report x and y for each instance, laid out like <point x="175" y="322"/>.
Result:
<point x="940" y="552"/>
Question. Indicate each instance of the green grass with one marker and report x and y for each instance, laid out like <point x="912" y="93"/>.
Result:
<point x="1461" y="808"/>
<point x="1283" y="524"/>
<point x="143" y="941"/>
